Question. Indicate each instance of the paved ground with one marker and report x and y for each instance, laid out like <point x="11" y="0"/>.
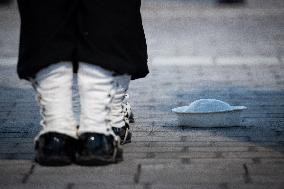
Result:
<point x="196" y="51"/>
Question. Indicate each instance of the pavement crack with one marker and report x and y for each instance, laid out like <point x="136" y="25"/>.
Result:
<point x="183" y="138"/>
<point x="279" y="133"/>
<point x="256" y="160"/>
<point x="151" y="132"/>
<point x="150" y="155"/>
<point x="252" y="149"/>
<point x="219" y="155"/>
<point x="224" y="186"/>
<point x="29" y="173"/>
<point x="70" y="185"/>
<point x="16" y="144"/>
<point x="185" y="160"/>
<point x="147" y="186"/>
<point x="185" y="149"/>
<point x="246" y="175"/>
<point x="137" y="174"/>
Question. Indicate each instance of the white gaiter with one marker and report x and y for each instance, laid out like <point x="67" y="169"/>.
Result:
<point x="119" y="102"/>
<point x="54" y="95"/>
<point x="100" y="99"/>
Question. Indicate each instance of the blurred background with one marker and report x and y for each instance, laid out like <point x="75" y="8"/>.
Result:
<point x="190" y="27"/>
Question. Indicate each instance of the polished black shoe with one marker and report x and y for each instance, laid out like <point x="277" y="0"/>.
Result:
<point x="98" y="149"/>
<point x="124" y="133"/>
<point x="55" y="149"/>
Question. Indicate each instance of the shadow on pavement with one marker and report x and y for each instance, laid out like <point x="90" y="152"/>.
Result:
<point x="262" y="124"/>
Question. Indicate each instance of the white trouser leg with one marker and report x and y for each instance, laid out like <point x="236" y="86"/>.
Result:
<point x="97" y="89"/>
<point x="54" y="95"/>
<point x="118" y="118"/>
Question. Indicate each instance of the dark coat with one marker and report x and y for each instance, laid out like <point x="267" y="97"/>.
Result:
<point x="108" y="33"/>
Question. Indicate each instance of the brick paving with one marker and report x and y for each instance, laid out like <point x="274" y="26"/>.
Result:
<point x="235" y="59"/>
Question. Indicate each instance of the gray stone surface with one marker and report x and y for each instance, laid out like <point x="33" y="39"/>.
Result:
<point x="196" y="50"/>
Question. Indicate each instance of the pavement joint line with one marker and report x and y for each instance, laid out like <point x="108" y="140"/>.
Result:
<point x="137" y="174"/>
<point x="224" y="185"/>
<point x="29" y="173"/>
<point x="246" y="175"/>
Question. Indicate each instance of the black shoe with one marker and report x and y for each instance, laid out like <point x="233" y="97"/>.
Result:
<point x="98" y="149"/>
<point x="131" y="118"/>
<point x="124" y="133"/>
<point x="55" y="149"/>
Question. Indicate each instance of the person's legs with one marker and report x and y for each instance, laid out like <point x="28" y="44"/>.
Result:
<point x="53" y="86"/>
<point x="98" y="142"/>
